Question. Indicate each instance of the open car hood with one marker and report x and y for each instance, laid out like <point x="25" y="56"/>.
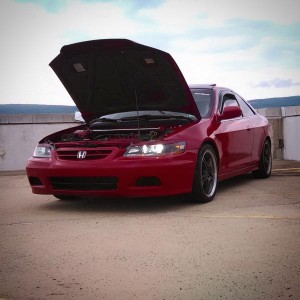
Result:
<point x="117" y="75"/>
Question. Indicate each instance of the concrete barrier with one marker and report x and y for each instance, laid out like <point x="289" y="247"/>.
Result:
<point x="19" y="134"/>
<point x="286" y="131"/>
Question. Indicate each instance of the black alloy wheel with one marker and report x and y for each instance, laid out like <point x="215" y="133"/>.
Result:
<point x="206" y="175"/>
<point x="265" y="162"/>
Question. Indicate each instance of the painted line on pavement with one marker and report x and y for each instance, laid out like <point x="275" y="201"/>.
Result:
<point x="253" y="217"/>
<point x="289" y="169"/>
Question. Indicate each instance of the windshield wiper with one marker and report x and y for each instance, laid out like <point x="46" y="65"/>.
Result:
<point x="179" y="115"/>
<point x="102" y="120"/>
<point x="185" y="117"/>
<point x="160" y="117"/>
<point x="142" y="117"/>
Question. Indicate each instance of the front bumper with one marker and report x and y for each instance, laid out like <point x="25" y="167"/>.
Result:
<point x="132" y="177"/>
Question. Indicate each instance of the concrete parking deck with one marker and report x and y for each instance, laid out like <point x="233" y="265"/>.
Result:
<point x="245" y="244"/>
<point x="286" y="167"/>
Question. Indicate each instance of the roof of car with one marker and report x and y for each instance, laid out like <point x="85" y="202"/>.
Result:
<point x="201" y="86"/>
<point x="208" y="86"/>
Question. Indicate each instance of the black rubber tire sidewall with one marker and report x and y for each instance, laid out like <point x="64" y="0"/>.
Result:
<point x="198" y="194"/>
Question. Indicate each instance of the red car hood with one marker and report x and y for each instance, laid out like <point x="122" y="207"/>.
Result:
<point x="117" y="75"/>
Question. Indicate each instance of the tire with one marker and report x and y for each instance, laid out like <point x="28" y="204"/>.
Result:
<point x="206" y="175"/>
<point x="67" y="197"/>
<point x="265" y="162"/>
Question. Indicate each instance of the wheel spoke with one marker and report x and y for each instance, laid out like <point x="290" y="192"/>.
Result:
<point x="205" y="164"/>
<point x="206" y="185"/>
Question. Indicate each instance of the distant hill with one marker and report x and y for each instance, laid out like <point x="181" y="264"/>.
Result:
<point x="64" y="109"/>
<point x="36" y="109"/>
<point x="275" y="102"/>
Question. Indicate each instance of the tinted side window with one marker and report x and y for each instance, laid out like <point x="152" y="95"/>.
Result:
<point x="247" y="111"/>
<point x="228" y="100"/>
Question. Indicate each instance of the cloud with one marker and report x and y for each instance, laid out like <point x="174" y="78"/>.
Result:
<point x="277" y="83"/>
<point x="253" y="38"/>
<point x="233" y="45"/>
<point x="51" y="6"/>
<point x="55" y="6"/>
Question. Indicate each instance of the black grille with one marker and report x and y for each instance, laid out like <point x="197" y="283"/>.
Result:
<point x="84" y="183"/>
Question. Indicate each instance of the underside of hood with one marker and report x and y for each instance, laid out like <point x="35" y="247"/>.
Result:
<point x="117" y="75"/>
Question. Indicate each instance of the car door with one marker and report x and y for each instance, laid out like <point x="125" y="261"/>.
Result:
<point x="234" y="136"/>
<point x="257" y="126"/>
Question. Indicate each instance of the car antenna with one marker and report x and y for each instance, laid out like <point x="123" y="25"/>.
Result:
<point x="137" y="112"/>
<point x="136" y="99"/>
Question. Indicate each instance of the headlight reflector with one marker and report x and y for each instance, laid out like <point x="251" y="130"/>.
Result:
<point x="155" y="149"/>
<point x="42" y="151"/>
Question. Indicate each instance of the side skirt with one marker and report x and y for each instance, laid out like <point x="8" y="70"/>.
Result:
<point x="238" y="172"/>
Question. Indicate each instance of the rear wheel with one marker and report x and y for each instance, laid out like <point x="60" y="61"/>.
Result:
<point x="265" y="162"/>
<point x="206" y="175"/>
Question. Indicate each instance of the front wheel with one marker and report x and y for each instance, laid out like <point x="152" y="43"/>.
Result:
<point x="206" y="175"/>
<point x="265" y="162"/>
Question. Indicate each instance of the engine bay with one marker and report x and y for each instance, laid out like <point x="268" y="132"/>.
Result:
<point x="114" y="137"/>
<point x="120" y="132"/>
<point x="120" y="137"/>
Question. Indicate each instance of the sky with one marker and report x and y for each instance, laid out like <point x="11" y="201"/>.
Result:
<point x="252" y="47"/>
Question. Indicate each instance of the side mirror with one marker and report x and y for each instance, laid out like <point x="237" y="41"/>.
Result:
<point x="230" y="112"/>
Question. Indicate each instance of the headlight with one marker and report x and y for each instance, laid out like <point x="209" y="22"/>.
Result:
<point x="155" y="149"/>
<point x="42" y="151"/>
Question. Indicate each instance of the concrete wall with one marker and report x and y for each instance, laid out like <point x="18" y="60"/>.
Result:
<point x="19" y="134"/>
<point x="286" y="131"/>
<point x="274" y="115"/>
<point x="291" y="132"/>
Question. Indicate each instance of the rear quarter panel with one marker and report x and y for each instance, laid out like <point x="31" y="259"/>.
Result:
<point x="261" y="129"/>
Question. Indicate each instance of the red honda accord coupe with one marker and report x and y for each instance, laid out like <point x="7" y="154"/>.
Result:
<point x="146" y="132"/>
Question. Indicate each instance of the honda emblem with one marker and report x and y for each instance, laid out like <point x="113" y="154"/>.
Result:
<point x="81" y="154"/>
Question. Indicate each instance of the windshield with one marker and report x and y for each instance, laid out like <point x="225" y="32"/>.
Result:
<point x="204" y="101"/>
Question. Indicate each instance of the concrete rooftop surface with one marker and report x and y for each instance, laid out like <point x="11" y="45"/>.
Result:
<point x="245" y="244"/>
